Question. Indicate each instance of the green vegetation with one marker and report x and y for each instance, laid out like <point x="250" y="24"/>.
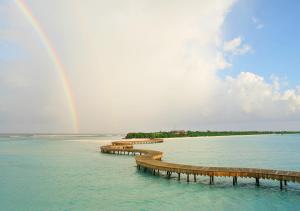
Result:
<point x="181" y="133"/>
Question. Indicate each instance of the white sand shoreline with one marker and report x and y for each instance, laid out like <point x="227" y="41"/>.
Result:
<point x="202" y="137"/>
<point x="108" y="141"/>
<point x="220" y="136"/>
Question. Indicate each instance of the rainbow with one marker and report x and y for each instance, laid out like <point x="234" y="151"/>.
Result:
<point x="56" y="61"/>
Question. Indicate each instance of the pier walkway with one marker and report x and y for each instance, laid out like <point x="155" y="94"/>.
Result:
<point x="150" y="160"/>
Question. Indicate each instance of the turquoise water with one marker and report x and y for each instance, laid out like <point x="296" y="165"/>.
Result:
<point x="67" y="173"/>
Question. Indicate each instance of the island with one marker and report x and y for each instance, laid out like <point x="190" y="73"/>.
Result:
<point x="183" y="133"/>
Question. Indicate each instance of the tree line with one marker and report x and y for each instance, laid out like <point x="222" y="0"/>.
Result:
<point x="174" y="134"/>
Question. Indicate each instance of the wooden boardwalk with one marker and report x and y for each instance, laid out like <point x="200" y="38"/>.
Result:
<point x="150" y="160"/>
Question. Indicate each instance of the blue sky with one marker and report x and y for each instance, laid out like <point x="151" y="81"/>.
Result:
<point x="275" y="46"/>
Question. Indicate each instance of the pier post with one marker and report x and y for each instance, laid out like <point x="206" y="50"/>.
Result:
<point x="210" y="180"/>
<point x="280" y="184"/>
<point x="154" y="172"/>
<point x="188" y="178"/>
<point x="194" y="177"/>
<point x="179" y="176"/>
<point x="234" y="180"/>
<point x="169" y="174"/>
<point x="285" y="182"/>
<point x="257" y="181"/>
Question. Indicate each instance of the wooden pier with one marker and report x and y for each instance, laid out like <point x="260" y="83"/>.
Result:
<point x="150" y="160"/>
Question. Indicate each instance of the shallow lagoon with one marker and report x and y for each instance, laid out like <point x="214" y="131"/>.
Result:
<point x="67" y="173"/>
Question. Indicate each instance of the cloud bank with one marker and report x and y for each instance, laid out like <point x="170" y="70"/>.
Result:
<point x="135" y="66"/>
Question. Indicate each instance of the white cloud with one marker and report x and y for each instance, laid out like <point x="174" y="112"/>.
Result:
<point x="254" y="20"/>
<point x="221" y="62"/>
<point x="260" y="26"/>
<point x="298" y="90"/>
<point x="257" y="22"/>
<point x="252" y="95"/>
<point x="236" y="47"/>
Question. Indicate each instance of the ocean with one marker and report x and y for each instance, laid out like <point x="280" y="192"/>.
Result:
<point x="67" y="172"/>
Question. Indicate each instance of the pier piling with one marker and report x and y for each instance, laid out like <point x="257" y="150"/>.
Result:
<point x="257" y="181"/>
<point x="234" y="180"/>
<point x="169" y="174"/>
<point x="211" y="180"/>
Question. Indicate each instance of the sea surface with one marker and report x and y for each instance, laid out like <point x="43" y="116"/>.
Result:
<point x="59" y="172"/>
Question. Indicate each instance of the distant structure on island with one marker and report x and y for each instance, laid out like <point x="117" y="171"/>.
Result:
<point x="179" y="132"/>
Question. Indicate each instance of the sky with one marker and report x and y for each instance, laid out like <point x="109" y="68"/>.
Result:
<point x="141" y="65"/>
